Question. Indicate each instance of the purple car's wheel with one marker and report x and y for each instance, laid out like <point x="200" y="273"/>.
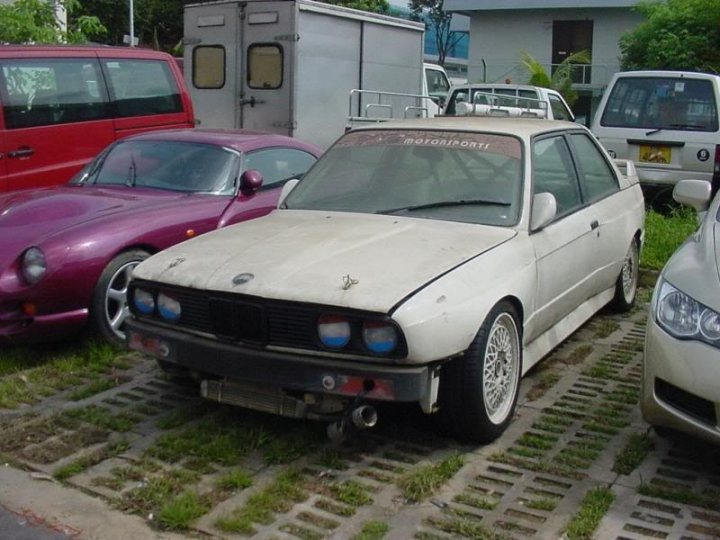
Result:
<point x="110" y="307"/>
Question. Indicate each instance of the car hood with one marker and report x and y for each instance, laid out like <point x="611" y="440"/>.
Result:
<point x="368" y="262"/>
<point x="34" y="215"/>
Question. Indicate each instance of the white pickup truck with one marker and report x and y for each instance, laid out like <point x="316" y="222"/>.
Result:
<point x="481" y="99"/>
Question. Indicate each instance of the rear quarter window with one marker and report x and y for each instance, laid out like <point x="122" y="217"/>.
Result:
<point x="142" y="87"/>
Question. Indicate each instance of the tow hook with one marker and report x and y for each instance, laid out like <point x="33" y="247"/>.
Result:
<point x="362" y="417"/>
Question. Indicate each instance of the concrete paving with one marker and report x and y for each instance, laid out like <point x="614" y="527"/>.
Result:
<point x="575" y="414"/>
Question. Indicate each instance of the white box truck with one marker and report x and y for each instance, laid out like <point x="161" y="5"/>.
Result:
<point x="290" y="67"/>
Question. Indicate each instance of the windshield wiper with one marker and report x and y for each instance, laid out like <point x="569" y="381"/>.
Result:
<point x="441" y="204"/>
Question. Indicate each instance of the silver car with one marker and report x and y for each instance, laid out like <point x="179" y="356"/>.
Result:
<point x="681" y="380"/>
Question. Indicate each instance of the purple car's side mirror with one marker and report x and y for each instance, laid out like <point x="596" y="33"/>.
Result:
<point x="250" y="181"/>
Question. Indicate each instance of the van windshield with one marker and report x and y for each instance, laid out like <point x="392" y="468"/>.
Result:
<point x="662" y="103"/>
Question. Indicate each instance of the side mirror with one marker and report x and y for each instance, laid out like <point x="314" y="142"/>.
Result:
<point x="544" y="209"/>
<point x="693" y="193"/>
<point x="250" y="181"/>
<point x="286" y="189"/>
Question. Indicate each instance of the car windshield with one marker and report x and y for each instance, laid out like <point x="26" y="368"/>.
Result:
<point x="168" y="165"/>
<point x="445" y="175"/>
<point x="662" y="103"/>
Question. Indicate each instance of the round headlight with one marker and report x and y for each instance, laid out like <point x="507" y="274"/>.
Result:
<point x="144" y="301"/>
<point x="379" y="336"/>
<point x="710" y="325"/>
<point x="679" y="313"/>
<point x="169" y="307"/>
<point x="33" y="265"/>
<point x="333" y="331"/>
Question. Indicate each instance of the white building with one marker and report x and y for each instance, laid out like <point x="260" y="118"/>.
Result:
<point x="549" y="30"/>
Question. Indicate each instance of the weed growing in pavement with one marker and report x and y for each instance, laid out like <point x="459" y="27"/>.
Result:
<point x="546" y="504"/>
<point x="420" y="483"/>
<point x="633" y="453"/>
<point x="234" y="480"/>
<point x="334" y="508"/>
<point x="97" y="386"/>
<point x="537" y="466"/>
<point x="664" y="234"/>
<point x="372" y="530"/>
<point x="278" y="497"/>
<point x="537" y="441"/>
<point x="579" y="354"/>
<point x="482" y="503"/>
<point x="104" y="418"/>
<point x="709" y="499"/>
<point x="605" y="327"/>
<point x="351" y="493"/>
<point x="332" y="458"/>
<point x="89" y="460"/>
<point x="183" y="509"/>
<point x="300" y="532"/>
<point x="464" y="528"/>
<point x="318" y="521"/>
<point x="593" y="507"/>
<point x="547" y="377"/>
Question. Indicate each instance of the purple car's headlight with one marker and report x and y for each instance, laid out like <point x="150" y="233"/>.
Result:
<point x="144" y="301"/>
<point x="169" y="307"/>
<point x="33" y="265"/>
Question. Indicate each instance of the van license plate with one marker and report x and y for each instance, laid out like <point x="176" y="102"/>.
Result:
<point x="654" y="154"/>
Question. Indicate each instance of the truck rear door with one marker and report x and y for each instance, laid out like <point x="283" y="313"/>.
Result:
<point x="268" y="43"/>
<point x="213" y="62"/>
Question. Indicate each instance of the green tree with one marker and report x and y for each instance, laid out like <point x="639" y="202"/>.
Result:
<point x="677" y="34"/>
<point x="431" y="13"/>
<point x="562" y="77"/>
<point x="36" y="21"/>
<point x="374" y="6"/>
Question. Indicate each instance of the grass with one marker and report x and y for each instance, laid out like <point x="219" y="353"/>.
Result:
<point x="663" y="235"/>
<point x="30" y="373"/>
<point x="104" y="418"/>
<point x="89" y="460"/>
<point x="709" y="499"/>
<point x="420" y="483"/>
<point x="594" y="505"/>
<point x="280" y="496"/>
<point x="234" y="480"/>
<point x="95" y="387"/>
<point x="465" y="528"/>
<point x="372" y="530"/>
<point x="180" y="511"/>
<point x="633" y="453"/>
<point x="351" y="493"/>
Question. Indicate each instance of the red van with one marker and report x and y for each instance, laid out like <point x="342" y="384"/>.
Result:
<point x="62" y="105"/>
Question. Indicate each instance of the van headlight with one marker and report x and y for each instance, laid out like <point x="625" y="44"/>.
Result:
<point x="33" y="265"/>
<point x="683" y="317"/>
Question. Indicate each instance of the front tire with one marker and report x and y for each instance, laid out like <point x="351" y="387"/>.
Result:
<point x="627" y="282"/>
<point x="109" y="306"/>
<point x="479" y="391"/>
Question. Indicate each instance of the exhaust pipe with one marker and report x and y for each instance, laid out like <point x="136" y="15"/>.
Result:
<point x="362" y="417"/>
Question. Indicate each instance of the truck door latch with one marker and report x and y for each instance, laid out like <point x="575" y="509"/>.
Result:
<point x="250" y="101"/>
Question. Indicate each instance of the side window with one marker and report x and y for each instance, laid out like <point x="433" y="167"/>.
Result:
<point x="142" y="87"/>
<point x="208" y="66"/>
<point x="596" y="176"/>
<point x="553" y="172"/>
<point x="437" y="83"/>
<point x="560" y="111"/>
<point x="265" y="66"/>
<point x="279" y="164"/>
<point x="41" y="92"/>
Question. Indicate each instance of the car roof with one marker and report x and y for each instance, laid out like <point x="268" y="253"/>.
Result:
<point x="237" y="139"/>
<point x="664" y="73"/>
<point x="522" y="127"/>
<point x="32" y="51"/>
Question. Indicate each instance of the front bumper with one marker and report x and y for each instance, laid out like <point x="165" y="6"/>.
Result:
<point x="17" y="328"/>
<point x="681" y="384"/>
<point x="286" y="370"/>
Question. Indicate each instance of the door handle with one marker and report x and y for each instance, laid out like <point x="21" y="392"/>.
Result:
<point x="250" y="101"/>
<point x="23" y="151"/>
<point x="594" y="224"/>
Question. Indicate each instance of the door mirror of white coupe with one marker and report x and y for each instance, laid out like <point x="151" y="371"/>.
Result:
<point x="286" y="189"/>
<point x="693" y="193"/>
<point x="544" y="209"/>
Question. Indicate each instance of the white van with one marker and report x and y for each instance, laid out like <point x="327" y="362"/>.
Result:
<point x="664" y="121"/>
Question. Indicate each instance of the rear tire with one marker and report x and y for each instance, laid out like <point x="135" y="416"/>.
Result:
<point x="627" y="282"/>
<point x="109" y="305"/>
<point x="479" y="391"/>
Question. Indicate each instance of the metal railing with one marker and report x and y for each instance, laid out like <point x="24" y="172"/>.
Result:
<point x="366" y="106"/>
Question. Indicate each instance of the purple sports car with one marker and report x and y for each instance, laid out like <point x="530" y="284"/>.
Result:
<point x="67" y="252"/>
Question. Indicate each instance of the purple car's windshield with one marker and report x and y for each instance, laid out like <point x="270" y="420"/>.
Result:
<point x="167" y="165"/>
